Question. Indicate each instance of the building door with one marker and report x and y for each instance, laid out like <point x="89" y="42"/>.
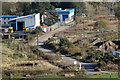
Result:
<point x="20" y="26"/>
<point x="64" y="17"/>
<point x="14" y="26"/>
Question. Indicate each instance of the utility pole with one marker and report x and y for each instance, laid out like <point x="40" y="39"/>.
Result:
<point x="98" y="28"/>
<point x="37" y="39"/>
<point x="83" y="20"/>
<point x="28" y="43"/>
<point x="83" y="35"/>
<point x="113" y="8"/>
<point x="102" y="30"/>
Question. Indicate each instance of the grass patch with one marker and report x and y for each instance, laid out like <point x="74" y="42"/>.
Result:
<point x="91" y="32"/>
<point x="56" y="76"/>
<point x="102" y="76"/>
<point x="49" y="76"/>
<point x="55" y="28"/>
<point x="34" y="39"/>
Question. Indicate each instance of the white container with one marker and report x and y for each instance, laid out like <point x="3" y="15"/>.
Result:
<point x="44" y="29"/>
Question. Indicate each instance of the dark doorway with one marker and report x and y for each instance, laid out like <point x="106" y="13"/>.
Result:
<point x="14" y="26"/>
<point x="64" y="17"/>
<point x="20" y="26"/>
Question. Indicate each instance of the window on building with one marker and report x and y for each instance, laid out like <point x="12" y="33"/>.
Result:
<point x="4" y="22"/>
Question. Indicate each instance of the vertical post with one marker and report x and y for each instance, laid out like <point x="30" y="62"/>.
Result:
<point x="9" y="35"/>
<point x="10" y="24"/>
<point x="16" y="25"/>
<point x="37" y="39"/>
<point x="9" y="40"/>
<point x="28" y="42"/>
<point x="9" y="75"/>
<point x="80" y="66"/>
<point x="102" y="30"/>
<point x="83" y="32"/>
<point x="83" y="22"/>
<point x="98" y="27"/>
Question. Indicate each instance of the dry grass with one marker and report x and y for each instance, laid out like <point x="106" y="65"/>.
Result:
<point x="15" y="65"/>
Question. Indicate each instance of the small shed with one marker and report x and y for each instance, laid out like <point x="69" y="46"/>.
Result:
<point x="28" y="21"/>
<point x="65" y="14"/>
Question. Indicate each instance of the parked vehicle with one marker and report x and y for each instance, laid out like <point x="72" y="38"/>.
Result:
<point x="97" y="69"/>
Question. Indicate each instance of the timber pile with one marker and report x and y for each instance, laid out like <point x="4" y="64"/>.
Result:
<point x="108" y="46"/>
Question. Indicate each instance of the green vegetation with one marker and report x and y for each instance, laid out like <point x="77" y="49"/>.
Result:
<point x="102" y="76"/>
<point x="25" y="8"/>
<point x="47" y="77"/>
<point x="49" y="44"/>
<point x="77" y="19"/>
<point x="36" y="51"/>
<point x="58" y="55"/>
<point x="21" y="51"/>
<point x="30" y="37"/>
<point x="102" y="23"/>
<point x="64" y="47"/>
<point x="37" y="30"/>
<point x="117" y="11"/>
<point x="65" y="42"/>
<point x="79" y="6"/>
<point x="106" y="61"/>
<point x="81" y="50"/>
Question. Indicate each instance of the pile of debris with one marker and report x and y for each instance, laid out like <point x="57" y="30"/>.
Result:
<point x="107" y="46"/>
<point x="97" y="41"/>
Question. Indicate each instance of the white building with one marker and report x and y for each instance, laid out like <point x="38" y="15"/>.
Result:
<point x="43" y="18"/>
<point x="29" y="22"/>
<point x="65" y="15"/>
<point x="5" y="18"/>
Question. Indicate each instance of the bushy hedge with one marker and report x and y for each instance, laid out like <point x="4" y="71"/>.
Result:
<point x="65" y="42"/>
<point x="37" y="30"/>
<point x="63" y="50"/>
<point x="28" y="37"/>
<point x="36" y="51"/>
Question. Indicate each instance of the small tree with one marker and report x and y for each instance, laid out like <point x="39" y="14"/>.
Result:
<point x="58" y="55"/>
<point x="52" y="17"/>
<point x="98" y="55"/>
<point x="28" y="37"/>
<point x="102" y="23"/>
<point x="77" y="19"/>
<point x="108" y="57"/>
<point x="36" y="51"/>
<point x="65" y="42"/>
<point x="63" y="50"/>
<point x="37" y="30"/>
<point x="117" y="11"/>
<point x="101" y="63"/>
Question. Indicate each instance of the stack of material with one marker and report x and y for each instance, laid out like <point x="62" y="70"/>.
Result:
<point x="96" y="41"/>
<point x="108" y="46"/>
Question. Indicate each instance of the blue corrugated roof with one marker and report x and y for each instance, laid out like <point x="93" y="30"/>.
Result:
<point x="22" y="17"/>
<point x="8" y="16"/>
<point x="66" y="11"/>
